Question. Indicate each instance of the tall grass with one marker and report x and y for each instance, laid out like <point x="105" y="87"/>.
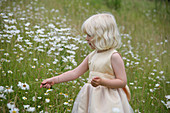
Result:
<point x="41" y="39"/>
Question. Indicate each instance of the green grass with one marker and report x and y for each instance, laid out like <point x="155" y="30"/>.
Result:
<point x="144" y="26"/>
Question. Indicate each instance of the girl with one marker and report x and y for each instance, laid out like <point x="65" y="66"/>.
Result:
<point x="106" y="90"/>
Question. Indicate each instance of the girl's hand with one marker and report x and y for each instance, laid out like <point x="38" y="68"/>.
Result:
<point x="47" y="83"/>
<point x="96" y="81"/>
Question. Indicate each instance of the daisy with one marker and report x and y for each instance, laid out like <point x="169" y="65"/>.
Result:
<point x="2" y="88"/>
<point x="68" y="110"/>
<point x="31" y="109"/>
<point x="6" y="54"/>
<point x="161" y="72"/>
<point x="14" y="110"/>
<point x="46" y="93"/>
<point x="66" y="95"/>
<point x="33" y="99"/>
<point x="3" y="96"/>
<point x="65" y="103"/>
<point x="24" y="98"/>
<point x="26" y="106"/>
<point x="49" y="90"/>
<point x="10" y="71"/>
<point x="33" y="67"/>
<point x="38" y="106"/>
<point x="47" y="100"/>
<point x="9" y="90"/>
<point x="11" y="105"/>
<point x="50" y="106"/>
<point x="167" y="97"/>
<point x="71" y="100"/>
<point x="23" y="86"/>
<point x="39" y="97"/>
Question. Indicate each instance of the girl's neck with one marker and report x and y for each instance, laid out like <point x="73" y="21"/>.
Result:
<point x="100" y="51"/>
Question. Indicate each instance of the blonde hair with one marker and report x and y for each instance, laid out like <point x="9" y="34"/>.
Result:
<point x="103" y="29"/>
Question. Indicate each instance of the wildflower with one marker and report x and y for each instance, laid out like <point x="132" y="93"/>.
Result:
<point x="157" y="85"/>
<point x="14" y="110"/>
<point x="1" y="89"/>
<point x="154" y="70"/>
<point x="47" y="100"/>
<point x="8" y="61"/>
<point x="168" y="82"/>
<point x="33" y="98"/>
<point x="10" y="71"/>
<point x="35" y="59"/>
<point x="167" y="97"/>
<point x="3" y="96"/>
<point x="151" y="90"/>
<point x="137" y="110"/>
<point x="8" y="90"/>
<point x="39" y="97"/>
<point x="38" y="106"/>
<point x="68" y="110"/>
<point x="27" y="24"/>
<point x="131" y="83"/>
<point x="127" y="64"/>
<point x="49" y="90"/>
<point x="11" y="105"/>
<point x="50" y="106"/>
<point x="1" y="49"/>
<point x="60" y="93"/>
<point x="152" y="73"/>
<point x="23" y="86"/>
<point x="66" y="95"/>
<point x="161" y="72"/>
<point x="69" y="104"/>
<point x="41" y="111"/>
<point x="26" y="106"/>
<point x="6" y="54"/>
<point x="33" y="66"/>
<point x="24" y="98"/>
<point x="157" y="60"/>
<point x="136" y="63"/>
<point x="65" y="103"/>
<point x="31" y="109"/>
<point x="71" y="100"/>
<point x="51" y="25"/>
<point x="166" y="104"/>
<point x="24" y="73"/>
<point x="46" y="93"/>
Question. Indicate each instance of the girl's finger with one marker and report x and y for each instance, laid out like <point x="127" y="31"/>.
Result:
<point x="94" y="83"/>
<point x="45" y="85"/>
<point x="48" y="86"/>
<point x="41" y="86"/>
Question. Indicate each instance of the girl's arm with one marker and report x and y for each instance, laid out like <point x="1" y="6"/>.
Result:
<point x="119" y="70"/>
<point x="67" y="76"/>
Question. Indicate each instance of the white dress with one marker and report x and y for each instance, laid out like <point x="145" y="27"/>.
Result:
<point x="101" y="99"/>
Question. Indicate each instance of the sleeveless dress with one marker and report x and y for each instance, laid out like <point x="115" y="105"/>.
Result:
<point x="101" y="99"/>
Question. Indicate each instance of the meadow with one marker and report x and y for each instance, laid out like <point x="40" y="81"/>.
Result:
<point x="42" y="38"/>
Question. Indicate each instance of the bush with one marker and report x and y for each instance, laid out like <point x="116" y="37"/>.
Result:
<point x="113" y="4"/>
